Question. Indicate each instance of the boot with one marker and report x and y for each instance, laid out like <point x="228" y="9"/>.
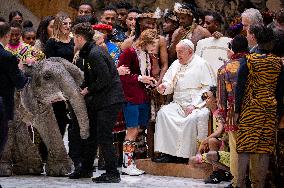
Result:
<point x="141" y="149"/>
<point x="129" y="167"/>
<point x="101" y="160"/>
<point x="107" y="178"/>
<point x="79" y="172"/>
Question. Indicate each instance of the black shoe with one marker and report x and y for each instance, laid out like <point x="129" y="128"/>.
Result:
<point x="77" y="174"/>
<point x="164" y="158"/>
<point x="107" y="178"/>
<point x="181" y="160"/>
<point x="225" y="175"/>
<point x="229" y="186"/>
<point x="213" y="178"/>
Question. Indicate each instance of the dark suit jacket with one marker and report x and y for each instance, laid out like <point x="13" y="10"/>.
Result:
<point x="10" y="78"/>
<point x="101" y="77"/>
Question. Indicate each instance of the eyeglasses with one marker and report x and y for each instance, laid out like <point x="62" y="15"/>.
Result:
<point x="229" y="45"/>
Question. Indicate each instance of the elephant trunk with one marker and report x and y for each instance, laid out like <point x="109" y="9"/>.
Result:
<point x="78" y="104"/>
<point x="72" y="92"/>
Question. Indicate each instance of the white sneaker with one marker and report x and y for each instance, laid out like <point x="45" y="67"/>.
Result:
<point x="131" y="170"/>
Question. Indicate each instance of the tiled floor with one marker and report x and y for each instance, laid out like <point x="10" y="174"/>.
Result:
<point x="144" y="181"/>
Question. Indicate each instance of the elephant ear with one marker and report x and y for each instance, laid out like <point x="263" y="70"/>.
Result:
<point x="74" y="71"/>
<point x="30" y="70"/>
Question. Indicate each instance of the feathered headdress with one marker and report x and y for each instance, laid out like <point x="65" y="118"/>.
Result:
<point x="180" y="9"/>
<point x="156" y="14"/>
<point x="170" y="15"/>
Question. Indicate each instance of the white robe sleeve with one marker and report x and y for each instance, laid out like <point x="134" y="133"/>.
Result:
<point x="168" y="79"/>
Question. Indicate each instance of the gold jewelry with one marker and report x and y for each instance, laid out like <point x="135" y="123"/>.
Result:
<point x="191" y="28"/>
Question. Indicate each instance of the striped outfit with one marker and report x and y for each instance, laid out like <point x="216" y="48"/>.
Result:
<point x="257" y="119"/>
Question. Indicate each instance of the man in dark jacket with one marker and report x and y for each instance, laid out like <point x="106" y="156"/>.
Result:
<point x="102" y="88"/>
<point x="10" y="78"/>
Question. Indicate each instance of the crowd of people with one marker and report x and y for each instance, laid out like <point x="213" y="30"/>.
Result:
<point x="149" y="94"/>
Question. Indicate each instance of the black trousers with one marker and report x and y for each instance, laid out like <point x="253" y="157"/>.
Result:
<point x="101" y="133"/>
<point x="60" y="112"/>
<point x="3" y="126"/>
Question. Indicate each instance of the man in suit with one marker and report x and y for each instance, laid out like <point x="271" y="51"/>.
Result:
<point x="104" y="95"/>
<point x="11" y="77"/>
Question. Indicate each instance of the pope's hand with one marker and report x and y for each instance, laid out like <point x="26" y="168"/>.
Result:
<point x="161" y="88"/>
<point x="189" y="109"/>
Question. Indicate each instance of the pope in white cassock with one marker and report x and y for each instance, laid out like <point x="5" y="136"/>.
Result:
<point x="180" y="124"/>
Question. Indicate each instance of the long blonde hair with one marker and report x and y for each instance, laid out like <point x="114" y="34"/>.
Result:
<point x="58" y="23"/>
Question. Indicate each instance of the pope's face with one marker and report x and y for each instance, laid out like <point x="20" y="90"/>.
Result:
<point x="183" y="53"/>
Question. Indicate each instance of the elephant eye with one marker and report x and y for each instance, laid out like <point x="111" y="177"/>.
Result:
<point x="47" y="76"/>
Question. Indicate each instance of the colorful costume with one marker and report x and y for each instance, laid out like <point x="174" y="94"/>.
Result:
<point x="226" y="85"/>
<point x="136" y="110"/>
<point x="24" y="51"/>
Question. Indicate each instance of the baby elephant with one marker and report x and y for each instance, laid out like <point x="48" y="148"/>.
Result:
<point x="53" y="79"/>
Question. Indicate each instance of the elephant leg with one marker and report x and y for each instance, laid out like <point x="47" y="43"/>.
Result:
<point x="27" y="159"/>
<point x="6" y="158"/>
<point x="58" y="162"/>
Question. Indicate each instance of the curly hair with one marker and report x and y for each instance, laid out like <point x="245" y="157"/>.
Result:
<point x="261" y="33"/>
<point x="85" y="30"/>
<point x="41" y="32"/>
<point x="253" y="15"/>
<point x="147" y="37"/>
